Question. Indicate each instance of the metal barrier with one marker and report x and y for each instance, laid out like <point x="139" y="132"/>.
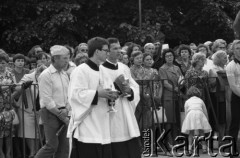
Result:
<point x="17" y="98"/>
<point x="148" y="87"/>
<point x="152" y="94"/>
<point x="205" y="85"/>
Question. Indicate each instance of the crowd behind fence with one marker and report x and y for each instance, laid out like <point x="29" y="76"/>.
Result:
<point x="154" y="111"/>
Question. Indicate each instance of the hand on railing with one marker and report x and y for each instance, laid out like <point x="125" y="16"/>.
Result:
<point x="27" y="84"/>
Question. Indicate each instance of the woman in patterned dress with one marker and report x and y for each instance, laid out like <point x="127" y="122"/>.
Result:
<point x="137" y="68"/>
<point x="6" y="110"/>
<point x="196" y="76"/>
<point x="143" y="111"/>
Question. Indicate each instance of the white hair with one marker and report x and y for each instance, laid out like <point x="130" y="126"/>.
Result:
<point x="216" y="57"/>
<point x="148" y="44"/>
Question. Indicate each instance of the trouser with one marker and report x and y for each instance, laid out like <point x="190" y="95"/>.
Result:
<point x="235" y="113"/>
<point x="56" y="146"/>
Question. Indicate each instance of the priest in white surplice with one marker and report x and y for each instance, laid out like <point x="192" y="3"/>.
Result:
<point x="96" y="132"/>
<point x="123" y="124"/>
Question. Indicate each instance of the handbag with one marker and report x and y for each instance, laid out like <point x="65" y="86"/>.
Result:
<point x="15" y="118"/>
<point x="160" y="113"/>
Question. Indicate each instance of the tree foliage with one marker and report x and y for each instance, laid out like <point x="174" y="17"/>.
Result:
<point x="25" y="23"/>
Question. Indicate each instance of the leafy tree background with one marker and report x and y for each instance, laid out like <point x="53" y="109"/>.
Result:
<point x="25" y="23"/>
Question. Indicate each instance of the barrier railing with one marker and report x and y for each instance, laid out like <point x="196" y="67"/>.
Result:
<point x="23" y="102"/>
<point x="153" y="97"/>
<point x="178" y="101"/>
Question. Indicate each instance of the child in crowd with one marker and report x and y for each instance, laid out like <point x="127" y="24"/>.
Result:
<point x="196" y="117"/>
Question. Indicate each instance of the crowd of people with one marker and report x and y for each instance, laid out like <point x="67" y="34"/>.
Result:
<point x="94" y="96"/>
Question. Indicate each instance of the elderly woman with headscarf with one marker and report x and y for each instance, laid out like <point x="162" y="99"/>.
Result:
<point x="149" y="48"/>
<point x="217" y="90"/>
<point x="81" y="48"/>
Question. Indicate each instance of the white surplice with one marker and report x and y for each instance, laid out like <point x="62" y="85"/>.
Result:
<point x="93" y="123"/>
<point x="123" y="123"/>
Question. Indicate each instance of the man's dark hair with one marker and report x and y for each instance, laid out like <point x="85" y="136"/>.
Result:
<point x="112" y="40"/>
<point x="94" y="44"/>
<point x="128" y="44"/>
<point x="40" y="55"/>
<point x="19" y="56"/>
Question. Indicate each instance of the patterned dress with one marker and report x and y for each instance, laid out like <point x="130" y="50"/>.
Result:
<point x="184" y="68"/>
<point x="137" y="72"/>
<point x="143" y="111"/>
<point x="6" y="115"/>
<point x="192" y="79"/>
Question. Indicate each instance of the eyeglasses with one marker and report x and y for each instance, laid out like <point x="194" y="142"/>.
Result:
<point x="105" y="50"/>
<point x="168" y="56"/>
<point x="83" y="50"/>
<point x="222" y="48"/>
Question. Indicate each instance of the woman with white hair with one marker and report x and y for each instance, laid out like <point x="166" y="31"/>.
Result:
<point x="219" y="44"/>
<point x="81" y="48"/>
<point x="217" y="91"/>
<point x="196" y="76"/>
<point x="149" y="48"/>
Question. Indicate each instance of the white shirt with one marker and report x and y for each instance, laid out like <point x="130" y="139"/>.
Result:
<point x="233" y="75"/>
<point x="53" y="88"/>
<point x="71" y="67"/>
<point x="195" y="103"/>
<point x="208" y="65"/>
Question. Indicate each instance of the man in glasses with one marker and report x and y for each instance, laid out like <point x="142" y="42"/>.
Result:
<point x="89" y="128"/>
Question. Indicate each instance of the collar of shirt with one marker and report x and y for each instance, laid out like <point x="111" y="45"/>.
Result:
<point x="236" y="61"/>
<point x="110" y="65"/>
<point x="71" y="64"/>
<point x="52" y="69"/>
<point x="92" y="65"/>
